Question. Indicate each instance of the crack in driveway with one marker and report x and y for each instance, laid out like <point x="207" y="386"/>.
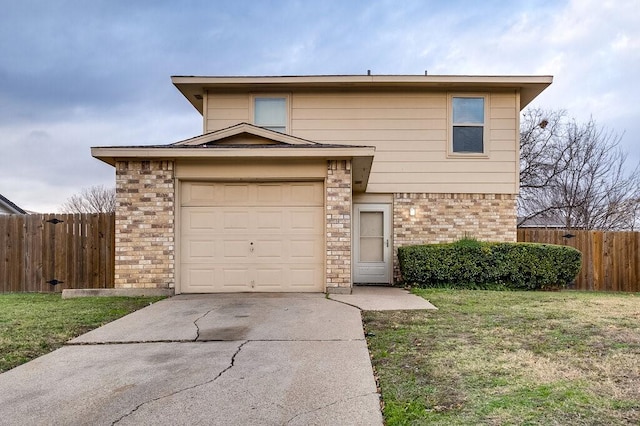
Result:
<point x="332" y="403"/>
<point x="195" y="323"/>
<point x="231" y="364"/>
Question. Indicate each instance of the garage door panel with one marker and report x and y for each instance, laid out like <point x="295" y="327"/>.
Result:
<point x="307" y="193"/>
<point x="200" y="193"/>
<point x="235" y="194"/>
<point x="303" y="278"/>
<point x="200" y="277"/>
<point x="304" y="250"/>
<point x="270" y="193"/>
<point x="269" y="277"/>
<point x="269" y="220"/>
<point x="235" y="250"/>
<point x="283" y="220"/>
<point x="305" y="220"/>
<point x="196" y="221"/>
<point x="270" y="250"/>
<point x="197" y="250"/>
<point x="200" y="220"/>
<point x="236" y="220"/>
<point x="233" y="276"/>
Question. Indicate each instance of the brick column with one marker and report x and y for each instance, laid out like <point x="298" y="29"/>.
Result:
<point x="145" y="203"/>
<point x="338" y="210"/>
<point x="443" y="218"/>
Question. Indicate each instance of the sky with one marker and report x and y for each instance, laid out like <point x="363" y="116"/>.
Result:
<point x="77" y="74"/>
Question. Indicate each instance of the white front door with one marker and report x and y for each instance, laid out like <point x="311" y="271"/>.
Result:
<point x="372" y="252"/>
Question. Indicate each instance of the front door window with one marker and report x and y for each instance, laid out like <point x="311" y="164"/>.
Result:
<point x="371" y="237"/>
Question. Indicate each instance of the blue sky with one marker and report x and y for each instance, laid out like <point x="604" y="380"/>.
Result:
<point x="76" y="74"/>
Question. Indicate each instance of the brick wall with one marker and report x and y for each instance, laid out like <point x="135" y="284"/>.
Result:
<point x="449" y="217"/>
<point x="338" y="210"/>
<point x="145" y="198"/>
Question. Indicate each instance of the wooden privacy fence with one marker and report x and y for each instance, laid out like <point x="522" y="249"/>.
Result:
<point x="610" y="260"/>
<point x="51" y="252"/>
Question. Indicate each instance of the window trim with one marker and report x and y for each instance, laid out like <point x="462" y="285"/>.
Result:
<point x="485" y="126"/>
<point x="278" y="95"/>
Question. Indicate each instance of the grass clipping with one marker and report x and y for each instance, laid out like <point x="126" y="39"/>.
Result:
<point x="510" y="358"/>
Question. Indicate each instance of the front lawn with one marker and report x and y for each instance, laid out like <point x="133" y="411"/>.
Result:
<point x="498" y="358"/>
<point x="33" y="324"/>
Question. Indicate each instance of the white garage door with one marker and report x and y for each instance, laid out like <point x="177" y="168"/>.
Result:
<point x="252" y="237"/>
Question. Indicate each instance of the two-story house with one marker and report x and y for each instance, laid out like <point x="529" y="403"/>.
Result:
<point x="310" y="183"/>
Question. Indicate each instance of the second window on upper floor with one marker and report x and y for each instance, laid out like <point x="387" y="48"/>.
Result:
<point x="271" y="112"/>
<point x="468" y="124"/>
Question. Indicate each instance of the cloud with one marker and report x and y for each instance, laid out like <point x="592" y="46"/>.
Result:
<point x="76" y="74"/>
<point x="43" y="165"/>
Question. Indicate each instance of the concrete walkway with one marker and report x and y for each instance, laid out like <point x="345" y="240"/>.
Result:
<point x="381" y="298"/>
<point x="241" y="359"/>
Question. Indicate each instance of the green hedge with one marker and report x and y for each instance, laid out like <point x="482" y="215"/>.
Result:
<point x="473" y="264"/>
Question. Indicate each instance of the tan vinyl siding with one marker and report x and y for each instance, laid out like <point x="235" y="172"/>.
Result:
<point x="364" y="136"/>
<point x="502" y="134"/>
<point x="226" y="110"/>
<point x="374" y="100"/>
<point x="385" y="124"/>
<point x="440" y="157"/>
<point x="409" y="131"/>
<point x="441" y="167"/>
<point x="371" y="113"/>
<point x="479" y="187"/>
<point x="445" y="177"/>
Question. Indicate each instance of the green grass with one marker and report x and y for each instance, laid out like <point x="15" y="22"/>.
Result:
<point x="506" y="358"/>
<point x="33" y="324"/>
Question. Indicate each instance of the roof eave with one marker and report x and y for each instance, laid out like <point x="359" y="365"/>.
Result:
<point x="361" y="156"/>
<point x="11" y="206"/>
<point x="195" y="87"/>
<point x="112" y="154"/>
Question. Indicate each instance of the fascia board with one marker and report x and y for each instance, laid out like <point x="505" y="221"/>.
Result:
<point x="110" y="154"/>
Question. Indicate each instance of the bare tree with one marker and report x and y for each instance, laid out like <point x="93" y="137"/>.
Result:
<point x="94" y="199"/>
<point x="575" y="174"/>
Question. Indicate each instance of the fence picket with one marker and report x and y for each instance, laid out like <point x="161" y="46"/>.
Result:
<point x="34" y="251"/>
<point x="610" y="260"/>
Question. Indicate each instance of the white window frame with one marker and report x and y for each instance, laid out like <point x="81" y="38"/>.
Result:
<point x="485" y="126"/>
<point x="287" y="101"/>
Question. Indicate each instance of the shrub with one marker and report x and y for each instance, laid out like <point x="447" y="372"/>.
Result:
<point x="480" y="265"/>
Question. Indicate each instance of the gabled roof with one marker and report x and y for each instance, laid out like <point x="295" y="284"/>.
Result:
<point x="195" y="87"/>
<point x="9" y="206"/>
<point x="269" y="137"/>
<point x="246" y="141"/>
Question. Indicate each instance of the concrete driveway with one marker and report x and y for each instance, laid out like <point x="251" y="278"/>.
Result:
<point x="244" y="359"/>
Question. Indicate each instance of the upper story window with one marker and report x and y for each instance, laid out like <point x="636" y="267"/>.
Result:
<point x="468" y="124"/>
<point x="271" y="112"/>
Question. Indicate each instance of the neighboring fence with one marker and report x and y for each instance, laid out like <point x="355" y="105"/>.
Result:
<point x="610" y="260"/>
<point x="51" y="252"/>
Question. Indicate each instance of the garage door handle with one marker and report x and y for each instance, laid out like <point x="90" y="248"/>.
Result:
<point x="251" y="248"/>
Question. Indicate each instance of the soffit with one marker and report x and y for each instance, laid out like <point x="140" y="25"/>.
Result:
<point x="194" y="88"/>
